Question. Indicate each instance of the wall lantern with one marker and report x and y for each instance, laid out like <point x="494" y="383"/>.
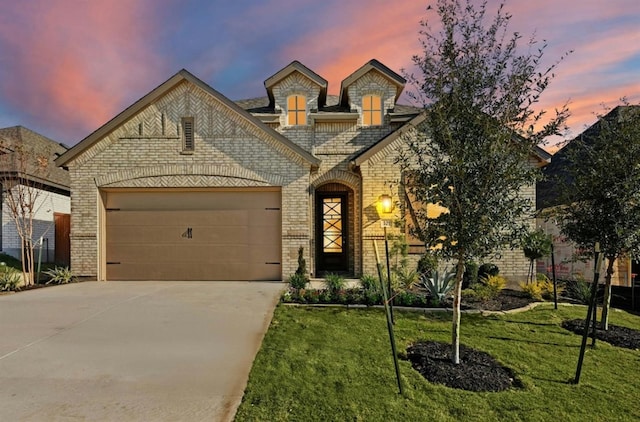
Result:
<point x="386" y="204"/>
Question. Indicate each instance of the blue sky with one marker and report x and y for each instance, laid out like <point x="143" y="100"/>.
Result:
<point x="68" y="66"/>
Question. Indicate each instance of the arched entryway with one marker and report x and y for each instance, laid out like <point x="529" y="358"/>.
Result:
<point x="334" y="229"/>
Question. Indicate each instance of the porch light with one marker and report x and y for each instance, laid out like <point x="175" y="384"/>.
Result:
<point x="386" y="204"/>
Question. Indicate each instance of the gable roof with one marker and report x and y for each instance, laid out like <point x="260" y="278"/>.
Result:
<point x="161" y="90"/>
<point x="372" y="64"/>
<point x="296" y="66"/>
<point x="542" y="156"/>
<point x="547" y="194"/>
<point x="30" y="142"/>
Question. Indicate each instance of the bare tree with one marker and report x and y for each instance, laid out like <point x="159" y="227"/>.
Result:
<point x="23" y="175"/>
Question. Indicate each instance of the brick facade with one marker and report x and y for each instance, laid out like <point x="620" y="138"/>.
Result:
<point x="143" y="149"/>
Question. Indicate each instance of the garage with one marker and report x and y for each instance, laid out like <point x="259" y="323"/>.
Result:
<point x="214" y="234"/>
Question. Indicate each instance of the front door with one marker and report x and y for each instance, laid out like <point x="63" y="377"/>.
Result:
<point x="331" y="233"/>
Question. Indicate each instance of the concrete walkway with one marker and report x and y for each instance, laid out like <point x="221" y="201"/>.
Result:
<point x="130" y="351"/>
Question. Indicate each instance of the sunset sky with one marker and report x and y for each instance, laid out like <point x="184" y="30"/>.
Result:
<point x="68" y="66"/>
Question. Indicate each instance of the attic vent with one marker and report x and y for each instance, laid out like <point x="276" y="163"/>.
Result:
<point x="188" y="142"/>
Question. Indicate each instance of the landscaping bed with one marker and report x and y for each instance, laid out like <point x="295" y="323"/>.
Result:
<point x="615" y="335"/>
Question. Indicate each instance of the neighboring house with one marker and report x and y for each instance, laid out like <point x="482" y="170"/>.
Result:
<point x="27" y="158"/>
<point x="186" y="184"/>
<point x="568" y="266"/>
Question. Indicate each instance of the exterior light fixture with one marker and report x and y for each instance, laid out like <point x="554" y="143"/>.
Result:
<point x="386" y="204"/>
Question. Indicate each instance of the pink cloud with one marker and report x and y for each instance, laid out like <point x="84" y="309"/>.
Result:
<point x="74" y="62"/>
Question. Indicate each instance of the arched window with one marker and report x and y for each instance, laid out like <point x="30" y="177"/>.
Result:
<point x="371" y="110"/>
<point x="296" y="110"/>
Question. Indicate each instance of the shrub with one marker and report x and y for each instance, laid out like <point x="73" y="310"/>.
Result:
<point x="312" y="296"/>
<point x="486" y="270"/>
<point x="470" y="276"/>
<point x="372" y="297"/>
<point x="533" y="290"/>
<point x="302" y="264"/>
<point x="490" y="288"/>
<point x="406" y="278"/>
<point x="298" y="281"/>
<point x="334" y="282"/>
<point x="369" y="283"/>
<point x="540" y="289"/>
<point x="439" y="285"/>
<point x="60" y="275"/>
<point x="579" y="290"/>
<point x="9" y="278"/>
<point x="427" y="265"/>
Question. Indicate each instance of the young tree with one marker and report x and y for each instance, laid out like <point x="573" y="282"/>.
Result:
<point x="472" y="153"/>
<point x="602" y="190"/>
<point x="22" y="175"/>
<point x="535" y="245"/>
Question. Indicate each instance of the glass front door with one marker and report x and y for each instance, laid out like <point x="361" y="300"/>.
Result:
<point x="331" y="233"/>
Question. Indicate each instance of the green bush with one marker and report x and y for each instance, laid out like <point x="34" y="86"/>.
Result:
<point x="60" y="275"/>
<point x="302" y="264"/>
<point x="369" y="283"/>
<point x="486" y="270"/>
<point x="427" y="264"/>
<point x="334" y="282"/>
<point x="470" y="276"/>
<point x="9" y="278"/>
<point x="540" y="289"/>
<point x="297" y="281"/>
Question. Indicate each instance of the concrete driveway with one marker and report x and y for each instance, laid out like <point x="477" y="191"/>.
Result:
<point x="129" y="351"/>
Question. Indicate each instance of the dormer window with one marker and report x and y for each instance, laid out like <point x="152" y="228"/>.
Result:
<point x="371" y="110"/>
<point x="296" y="110"/>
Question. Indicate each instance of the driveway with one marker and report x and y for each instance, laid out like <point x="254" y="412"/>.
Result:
<point x="129" y="351"/>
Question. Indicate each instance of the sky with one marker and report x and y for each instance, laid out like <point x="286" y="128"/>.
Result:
<point x="69" y="66"/>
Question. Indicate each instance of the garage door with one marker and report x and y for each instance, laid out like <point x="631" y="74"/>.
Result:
<point x="193" y="235"/>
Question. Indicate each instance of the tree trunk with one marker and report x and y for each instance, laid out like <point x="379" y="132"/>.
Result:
<point x="457" y="294"/>
<point x="606" y="300"/>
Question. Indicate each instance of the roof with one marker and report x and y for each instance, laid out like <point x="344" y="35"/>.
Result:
<point x="547" y="194"/>
<point x="180" y="77"/>
<point x="296" y="66"/>
<point x="16" y="137"/>
<point x="372" y="64"/>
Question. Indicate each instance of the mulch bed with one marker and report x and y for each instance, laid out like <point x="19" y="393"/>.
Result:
<point x="615" y="335"/>
<point x="477" y="370"/>
<point x="507" y="299"/>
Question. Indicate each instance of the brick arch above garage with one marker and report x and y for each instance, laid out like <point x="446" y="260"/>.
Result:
<point x="197" y="175"/>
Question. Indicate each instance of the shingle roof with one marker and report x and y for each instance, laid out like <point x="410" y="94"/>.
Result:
<point x="18" y="136"/>
<point x="547" y="194"/>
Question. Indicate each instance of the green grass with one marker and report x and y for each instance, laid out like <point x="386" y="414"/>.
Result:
<point x="335" y="365"/>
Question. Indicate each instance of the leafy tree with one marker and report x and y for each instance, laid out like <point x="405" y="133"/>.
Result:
<point x="535" y="245"/>
<point x="601" y="188"/>
<point x="472" y="152"/>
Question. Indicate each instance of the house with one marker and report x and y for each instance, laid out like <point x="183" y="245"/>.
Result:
<point x="27" y="165"/>
<point x="567" y="262"/>
<point x="186" y="184"/>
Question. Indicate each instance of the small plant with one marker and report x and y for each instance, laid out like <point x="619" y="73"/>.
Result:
<point x="487" y="269"/>
<point x="533" y="290"/>
<point x="489" y="288"/>
<point x="297" y="281"/>
<point x="60" y="275"/>
<point x="334" y="282"/>
<point x="369" y="283"/>
<point x="9" y="278"/>
<point x="427" y="264"/>
<point x="439" y="285"/>
<point x="406" y="278"/>
<point x="302" y="264"/>
<point x="579" y="290"/>
<point x="470" y="276"/>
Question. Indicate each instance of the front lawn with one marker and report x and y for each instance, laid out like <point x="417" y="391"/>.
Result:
<point x="335" y="365"/>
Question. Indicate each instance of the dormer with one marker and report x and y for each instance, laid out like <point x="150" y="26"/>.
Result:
<point x="294" y="92"/>
<point x="372" y="92"/>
